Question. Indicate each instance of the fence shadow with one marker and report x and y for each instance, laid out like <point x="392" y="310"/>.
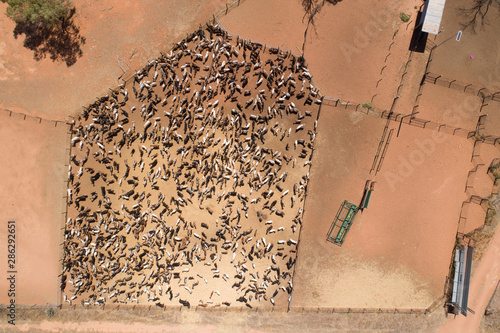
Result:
<point x="61" y="42"/>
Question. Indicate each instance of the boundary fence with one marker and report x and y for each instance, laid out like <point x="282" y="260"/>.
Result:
<point x="63" y="227"/>
<point x="40" y="119"/>
<point x="467" y="88"/>
<point x="60" y="236"/>
<point x="410" y="119"/>
<point x="283" y="52"/>
<point x="294" y="309"/>
<point x="473" y="198"/>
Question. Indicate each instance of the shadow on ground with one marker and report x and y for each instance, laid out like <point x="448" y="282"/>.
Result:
<point x="61" y="42"/>
<point x="312" y="7"/>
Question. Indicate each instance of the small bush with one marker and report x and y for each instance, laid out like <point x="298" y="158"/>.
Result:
<point x="367" y="105"/>
<point x="479" y="136"/>
<point x="495" y="170"/>
<point x="490" y="214"/>
<point x="404" y="17"/>
<point x="49" y="312"/>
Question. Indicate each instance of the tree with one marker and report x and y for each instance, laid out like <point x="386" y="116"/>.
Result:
<point x="41" y="13"/>
<point x="478" y="12"/>
<point x="48" y="28"/>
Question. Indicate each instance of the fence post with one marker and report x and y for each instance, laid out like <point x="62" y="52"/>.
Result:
<point x="479" y="93"/>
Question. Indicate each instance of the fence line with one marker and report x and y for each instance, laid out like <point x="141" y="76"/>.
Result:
<point x="414" y="121"/>
<point x="472" y="198"/>
<point x="294" y="309"/>
<point x="35" y="117"/>
<point x="379" y="148"/>
<point x="469" y="88"/>
<point x="382" y="157"/>
<point x="274" y="49"/>
<point x="63" y="227"/>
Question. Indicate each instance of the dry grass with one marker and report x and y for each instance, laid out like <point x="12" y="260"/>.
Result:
<point x="491" y="323"/>
<point x="481" y="237"/>
<point x="495" y="171"/>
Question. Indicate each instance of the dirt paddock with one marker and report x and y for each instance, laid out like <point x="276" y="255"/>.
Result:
<point x="35" y="155"/>
<point x="187" y="184"/>
<point x="187" y="187"/>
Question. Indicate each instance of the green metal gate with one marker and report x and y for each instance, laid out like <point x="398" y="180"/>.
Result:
<point x="342" y="223"/>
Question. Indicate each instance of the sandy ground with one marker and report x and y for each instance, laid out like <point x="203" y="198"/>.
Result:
<point x="33" y="172"/>
<point x="336" y="49"/>
<point x="474" y="215"/>
<point x="414" y="267"/>
<point x="448" y="106"/>
<point x="492" y="123"/>
<point x="278" y="23"/>
<point x="108" y="53"/>
<point x="423" y="179"/>
<point x="121" y="36"/>
<point x="452" y="59"/>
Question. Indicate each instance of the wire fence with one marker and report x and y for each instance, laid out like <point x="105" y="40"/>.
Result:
<point x="473" y="198"/>
<point x="65" y="213"/>
<point x="410" y="119"/>
<point x="294" y="309"/>
<point x="40" y="119"/>
<point x="384" y="151"/>
<point x="468" y="88"/>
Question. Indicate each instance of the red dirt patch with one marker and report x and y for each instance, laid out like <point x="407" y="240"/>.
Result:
<point x="32" y="176"/>
<point x="121" y="36"/>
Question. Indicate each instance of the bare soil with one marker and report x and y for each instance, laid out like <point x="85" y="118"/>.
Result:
<point x="34" y="158"/>
<point x="120" y="38"/>
<point x="418" y="203"/>
<point x="453" y="60"/>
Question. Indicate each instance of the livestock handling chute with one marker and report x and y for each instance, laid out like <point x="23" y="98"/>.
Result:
<point x="342" y="223"/>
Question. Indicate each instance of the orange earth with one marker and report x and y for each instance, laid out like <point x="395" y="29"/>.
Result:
<point x="397" y="253"/>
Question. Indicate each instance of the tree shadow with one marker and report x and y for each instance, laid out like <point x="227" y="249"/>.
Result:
<point x="312" y="7"/>
<point x="62" y="41"/>
<point x="476" y="14"/>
